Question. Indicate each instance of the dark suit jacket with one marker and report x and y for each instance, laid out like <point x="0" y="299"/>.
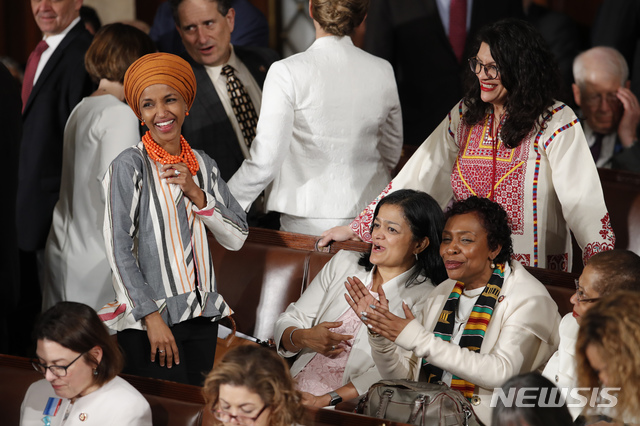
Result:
<point x="61" y="85"/>
<point x="618" y="25"/>
<point x="208" y="128"/>
<point x="410" y="35"/>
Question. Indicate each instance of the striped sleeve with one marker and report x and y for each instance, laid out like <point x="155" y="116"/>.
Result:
<point x="222" y="215"/>
<point x="122" y="187"/>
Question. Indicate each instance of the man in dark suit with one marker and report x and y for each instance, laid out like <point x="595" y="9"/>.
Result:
<point x="59" y="83"/>
<point x="55" y="81"/>
<point x="205" y="27"/>
<point x="412" y="36"/>
<point x="610" y="112"/>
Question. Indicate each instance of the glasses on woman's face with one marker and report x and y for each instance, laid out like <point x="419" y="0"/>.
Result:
<point x="56" y="370"/>
<point x="580" y="295"/>
<point x="490" y="70"/>
<point x="226" y="417"/>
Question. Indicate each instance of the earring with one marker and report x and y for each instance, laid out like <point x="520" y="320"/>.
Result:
<point x="142" y="123"/>
<point x="416" y="254"/>
<point x="95" y="371"/>
<point x="493" y="265"/>
<point x="186" y="113"/>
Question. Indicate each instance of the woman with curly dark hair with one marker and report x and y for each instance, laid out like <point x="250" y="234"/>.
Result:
<point x="489" y="321"/>
<point x="509" y="140"/>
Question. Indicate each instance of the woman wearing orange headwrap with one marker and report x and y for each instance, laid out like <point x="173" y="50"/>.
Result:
<point x="160" y="198"/>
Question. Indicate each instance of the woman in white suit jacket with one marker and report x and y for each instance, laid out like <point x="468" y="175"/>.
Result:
<point x="333" y="354"/>
<point x="330" y="128"/>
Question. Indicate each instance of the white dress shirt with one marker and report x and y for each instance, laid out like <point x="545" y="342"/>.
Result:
<point x="250" y="86"/>
<point x="53" y="42"/>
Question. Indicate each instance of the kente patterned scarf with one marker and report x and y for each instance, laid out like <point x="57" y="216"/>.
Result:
<point x="474" y="331"/>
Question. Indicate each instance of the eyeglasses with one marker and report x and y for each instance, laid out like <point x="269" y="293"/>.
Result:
<point x="490" y="70"/>
<point x="595" y="100"/>
<point x="226" y="417"/>
<point x="56" y="370"/>
<point x="580" y="295"/>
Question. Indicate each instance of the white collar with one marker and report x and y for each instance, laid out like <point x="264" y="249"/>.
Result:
<point x="54" y="40"/>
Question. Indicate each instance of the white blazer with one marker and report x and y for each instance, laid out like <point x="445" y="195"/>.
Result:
<point x="561" y="368"/>
<point x="116" y="403"/>
<point x="324" y="300"/>
<point x="521" y="336"/>
<point x="329" y="132"/>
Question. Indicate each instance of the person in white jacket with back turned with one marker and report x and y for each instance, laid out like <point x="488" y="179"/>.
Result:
<point x="330" y="128"/>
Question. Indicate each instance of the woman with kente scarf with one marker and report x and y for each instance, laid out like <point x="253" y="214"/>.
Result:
<point x="161" y="198"/>
<point x="489" y="321"/>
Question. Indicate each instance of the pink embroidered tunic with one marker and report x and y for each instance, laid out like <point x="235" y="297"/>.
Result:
<point x="548" y="185"/>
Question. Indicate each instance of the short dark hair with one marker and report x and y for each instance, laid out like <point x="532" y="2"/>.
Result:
<point x="619" y="269"/>
<point x="223" y="8"/>
<point x="76" y="326"/>
<point x="114" y="48"/>
<point x="493" y="219"/>
<point x="425" y="218"/>
<point x="553" y="412"/>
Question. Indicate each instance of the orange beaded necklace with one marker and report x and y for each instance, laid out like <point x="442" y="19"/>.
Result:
<point x="159" y="154"/>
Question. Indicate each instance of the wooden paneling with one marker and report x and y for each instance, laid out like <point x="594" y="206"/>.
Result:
<point x="582" y="11"/>
<point x="19" y="33"/>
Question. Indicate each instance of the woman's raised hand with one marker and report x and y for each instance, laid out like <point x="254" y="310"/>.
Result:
<point x="161" y="340"/>
<point x="337" y="233"/>
<point x="387" y="324"/>
<point x="322" y="340"/>
<point x="359" y="297"/>
<point x="179" y="174"/>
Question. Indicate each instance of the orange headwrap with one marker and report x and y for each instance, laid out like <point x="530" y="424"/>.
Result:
<point x="159" y="68"/>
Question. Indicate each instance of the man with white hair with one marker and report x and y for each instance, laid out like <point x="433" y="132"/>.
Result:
<point x="610" y="111"/>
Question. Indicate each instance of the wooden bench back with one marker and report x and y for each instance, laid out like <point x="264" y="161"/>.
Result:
<point x="271" y="271"/>
<point x="622" y="195"/>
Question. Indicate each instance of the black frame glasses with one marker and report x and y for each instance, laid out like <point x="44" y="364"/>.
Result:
<point x="492" y="71"/>
<point x="580" y="292"/>
<point x="56" y="370"/>
<point x="226" y="417"/>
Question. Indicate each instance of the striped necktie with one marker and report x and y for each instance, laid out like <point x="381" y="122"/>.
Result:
<point x="242" y="106"/>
